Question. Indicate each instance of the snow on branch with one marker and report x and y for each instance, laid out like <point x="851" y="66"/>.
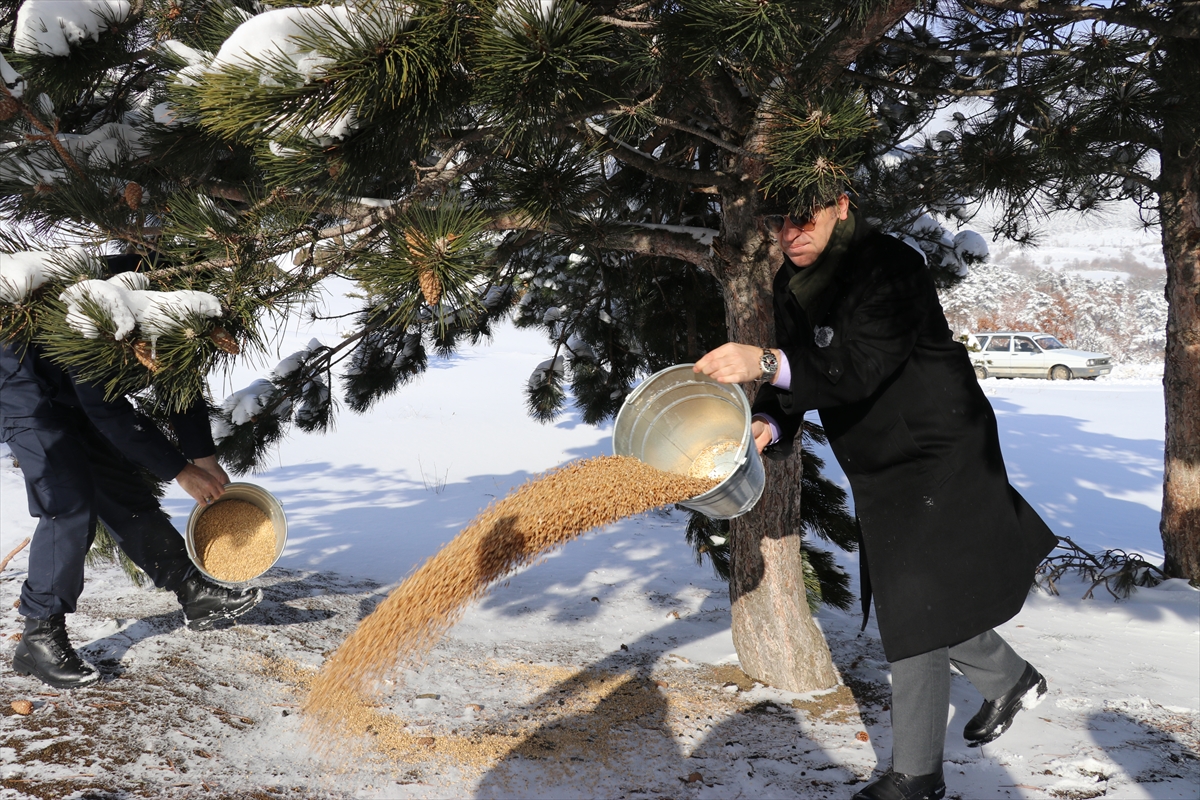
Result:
<point x="52" y="27"/>
<point x="21" y="273"/>
<point x="124" y="302"/>
<point x="13" y="82"/>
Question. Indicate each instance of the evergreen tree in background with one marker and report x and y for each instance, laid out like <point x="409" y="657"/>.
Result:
<point x="597" y="169"/>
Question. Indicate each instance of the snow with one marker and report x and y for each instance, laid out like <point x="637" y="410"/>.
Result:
<point x="12" y="79"/>
<point x="199" y="715"/>
<point x="154" y="313"/>
<point x="244" y="404"/>
<point x="51" y="27"/>
<point x="296" y="360"/>
<point x="704" y="236"/>
<point x="22" y="272"/>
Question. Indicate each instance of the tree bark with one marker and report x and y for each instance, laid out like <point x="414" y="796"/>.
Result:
<point x="776" y="638"/>
<point x="1180" y="208"/>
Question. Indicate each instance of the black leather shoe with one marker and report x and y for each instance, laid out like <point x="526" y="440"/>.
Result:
<point x="995" y="717"/>
<point x="898" y="786"/>
<point x="205" y="603"/>
<point x="45" y="653"/>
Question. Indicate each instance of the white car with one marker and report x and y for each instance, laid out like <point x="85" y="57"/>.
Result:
<point x="1024" y="354"/>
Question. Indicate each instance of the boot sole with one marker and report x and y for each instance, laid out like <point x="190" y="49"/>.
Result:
<point x="1031" y="699"/>
<point x="22" y="668"/>
<point x="206" y="623"/>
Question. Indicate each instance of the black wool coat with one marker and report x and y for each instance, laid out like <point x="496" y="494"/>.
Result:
<point x="949" y="548"/>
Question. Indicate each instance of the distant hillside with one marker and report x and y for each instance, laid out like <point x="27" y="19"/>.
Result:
<point x="1125" y="318"/>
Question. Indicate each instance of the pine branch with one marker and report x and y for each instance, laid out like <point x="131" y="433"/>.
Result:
<point x="931" y="91"/>
<point x="628" y="154"/>
<point x="628" y="24"/>
<point x="847" y="48"/>
<point x="368" y="218"/>
<point x="48" y="133"/>
<point x="706" y="136"/>
<point x="942" y="51"/>
<point x="650" y="242"/>
<point x="1146" y="21"/>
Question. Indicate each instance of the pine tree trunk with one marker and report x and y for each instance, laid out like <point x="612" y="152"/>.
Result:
<point x="776" y="638"/>
<point x="1180" y="199"/>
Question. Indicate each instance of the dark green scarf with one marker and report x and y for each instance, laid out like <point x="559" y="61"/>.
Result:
<point x="809" y="283"/>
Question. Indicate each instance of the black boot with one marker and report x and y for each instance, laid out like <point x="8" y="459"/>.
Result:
<point x="205" y="603"/>
<point x="995" y="717"/>
<point x="898" y="786"/>
<point x="45" y="653"/>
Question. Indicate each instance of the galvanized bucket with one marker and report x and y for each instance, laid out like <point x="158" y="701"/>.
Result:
<point x="250" y="493"/>
<point x="685" y="422"/>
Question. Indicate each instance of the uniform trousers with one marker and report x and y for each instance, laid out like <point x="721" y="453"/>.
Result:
<point x="921" y="695"/>
<point x="74" y="476"/>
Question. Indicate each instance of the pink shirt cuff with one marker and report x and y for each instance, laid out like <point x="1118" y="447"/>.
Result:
<point x="783" y="378"/>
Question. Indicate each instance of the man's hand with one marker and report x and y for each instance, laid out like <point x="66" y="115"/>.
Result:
<point x="213" y="467"/>
<point x="732" y="363"/>
<point x="202" y="485"/>
<point x="761" y="432"/>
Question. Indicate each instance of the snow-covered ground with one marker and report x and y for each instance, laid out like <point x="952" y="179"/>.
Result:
<point x="608" y="670"/>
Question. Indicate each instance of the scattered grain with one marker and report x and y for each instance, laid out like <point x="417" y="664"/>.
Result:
<point x="533" y="520"/>
<point x="235" y="540"/>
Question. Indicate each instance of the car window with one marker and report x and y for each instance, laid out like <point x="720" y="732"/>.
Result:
<point x="983" y="340"/>
<point x="1023" y="344"/>
<point x="1049" y="343"/>
<point x="998" y="344"/>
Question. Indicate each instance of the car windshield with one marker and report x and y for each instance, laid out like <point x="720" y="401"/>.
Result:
<point x="1049" y="343"/>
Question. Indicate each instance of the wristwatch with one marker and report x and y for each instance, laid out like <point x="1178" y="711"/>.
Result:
<point x="769" y="365"/>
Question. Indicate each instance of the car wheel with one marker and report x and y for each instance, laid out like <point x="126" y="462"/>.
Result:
<point x="980" y="371"/>
<point x="1060" y="373"/>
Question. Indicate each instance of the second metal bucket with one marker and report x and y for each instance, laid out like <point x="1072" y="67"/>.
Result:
<point x="678" y="419"/>
<point x="256" y="496"/>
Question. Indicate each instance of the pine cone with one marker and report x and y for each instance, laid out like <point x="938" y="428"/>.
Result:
<point x="8" y="109"/>
<point x="133" y="195"/>
<point x="224" y="341"/>
<point x="431" y="286"/>
<point x="145" y="355"/>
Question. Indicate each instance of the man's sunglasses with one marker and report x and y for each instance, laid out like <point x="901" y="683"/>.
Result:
<point x="774" y="222"/>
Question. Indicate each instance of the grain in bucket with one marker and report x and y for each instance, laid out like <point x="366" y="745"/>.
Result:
<point x="239" y="537"/>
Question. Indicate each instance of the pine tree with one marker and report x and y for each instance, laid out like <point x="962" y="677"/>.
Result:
<point x="594" y="168"/>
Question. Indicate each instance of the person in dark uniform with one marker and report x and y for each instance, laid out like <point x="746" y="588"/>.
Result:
<point x="948" y="547"/>
<point x="80" y="454"/>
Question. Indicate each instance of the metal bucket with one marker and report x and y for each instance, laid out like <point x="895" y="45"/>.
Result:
<point x="250" y="493"/>
<point x="678" y="421"/>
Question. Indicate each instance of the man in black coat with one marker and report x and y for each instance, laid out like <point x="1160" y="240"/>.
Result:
<point x="949" y="548"/>
<point x="79" y="454"/>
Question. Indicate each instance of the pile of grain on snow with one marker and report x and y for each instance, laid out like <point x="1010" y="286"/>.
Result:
<point x="235" y="540"/>
<point x="530" y="522"/>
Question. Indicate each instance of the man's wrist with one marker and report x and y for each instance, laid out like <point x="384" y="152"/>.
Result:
<point x="768" y="363"/>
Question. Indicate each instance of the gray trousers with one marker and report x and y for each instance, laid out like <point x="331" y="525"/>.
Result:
<point x="921" y="695"/>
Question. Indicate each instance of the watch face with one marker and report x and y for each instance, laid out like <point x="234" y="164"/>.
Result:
<point x="768" y="363"/>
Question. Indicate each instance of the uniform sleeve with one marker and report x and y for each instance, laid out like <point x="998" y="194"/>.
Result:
<point x="135" y="436"/>
<point x="194" y="430"/>
<point x="879" y="338"/>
